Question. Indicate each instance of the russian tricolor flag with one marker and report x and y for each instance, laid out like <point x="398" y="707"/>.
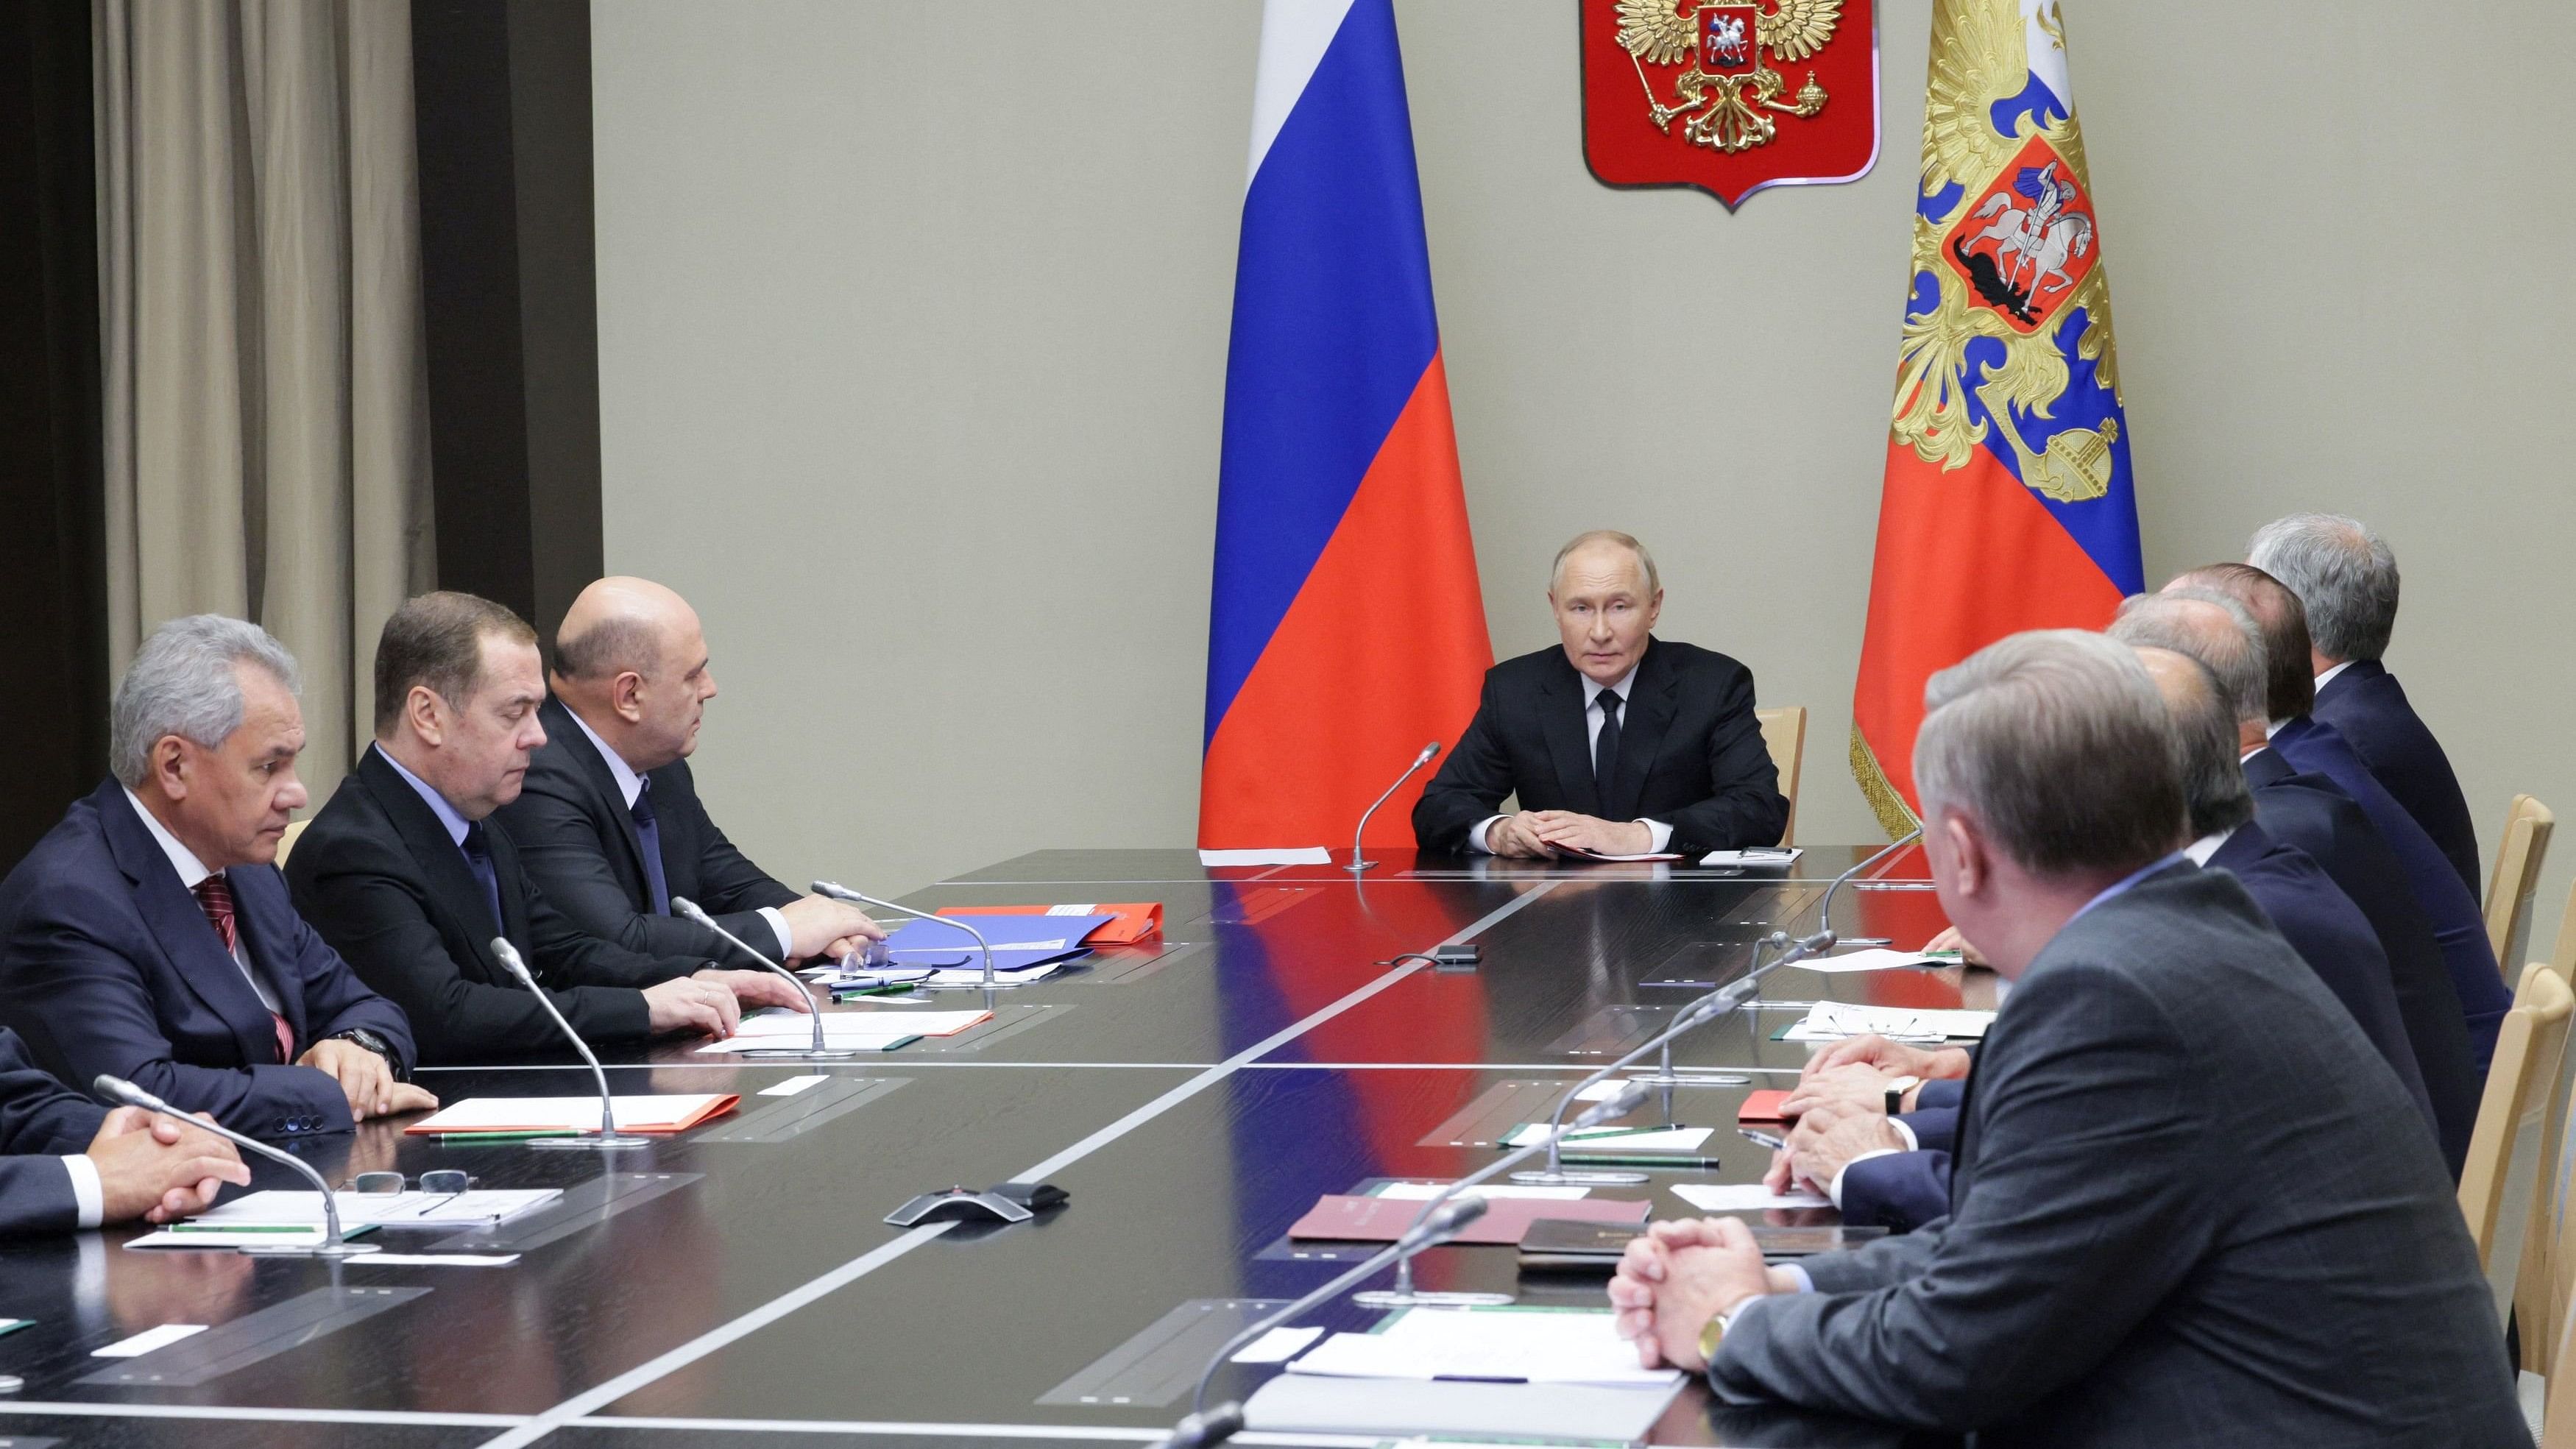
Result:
<point x="1346" y="628"/>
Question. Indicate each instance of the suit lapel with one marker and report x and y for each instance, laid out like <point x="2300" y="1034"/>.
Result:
<point x="562" y="726"/>
<point x="1642" y="726"/>
<point x="451" y="881"/>
<point x="1569" y="742"/>
<point x="268" y="940"/>
<point x="180" y="928"/>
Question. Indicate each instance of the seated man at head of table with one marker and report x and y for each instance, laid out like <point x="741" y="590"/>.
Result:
<point x="2189" y="1203"/>
<point x="149" y="935"/>
<point x="2346" y="577"/>
<point x="407" y="874"/>
<point x="67" y="1163"/>
<point x="1615" y="742"/>
<point x="2305" y="756"/>
<point x="610" y="826"/>
<point x="1844" y="1142"/>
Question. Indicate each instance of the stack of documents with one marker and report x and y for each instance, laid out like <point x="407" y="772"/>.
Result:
<point x="1835" y="1020"/>
<point x="383" y="1209"/>
<point x="1515" y="1374"/>
<point x="1129" y="922"/>
<point x="866" y="1031"/>
<point x="1879" y="958"/>
<point x="1024" y="947"/>
<point x="1489" y="1345"/>
<point x="657" y="1114"/>
<point x="1593" y="1141"/>
<point x="1758" y="855"/>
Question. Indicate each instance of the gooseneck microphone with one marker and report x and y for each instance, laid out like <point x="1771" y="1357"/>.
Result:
<point x="609" y="1137"/>
<point x="125" y="1094"/>
<point x="1360" y="863"/>
<point x="1206" y="1426"/>
<point x="1402" y="1293"/>
<point x="1721" y="1002"/>
<point x="818" y="1052"/>
<point x="857" y="898"/>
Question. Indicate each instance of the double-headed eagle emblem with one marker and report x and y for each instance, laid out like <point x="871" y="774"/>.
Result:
<point x="1725" y="95"/>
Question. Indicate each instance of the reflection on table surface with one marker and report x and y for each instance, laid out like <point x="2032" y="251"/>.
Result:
<point x="1195" y="1094"/>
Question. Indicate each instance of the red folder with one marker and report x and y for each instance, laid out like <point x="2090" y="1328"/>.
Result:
<point x="1135" y="921"/>
<point x="1762" y="1107"/>
<point x="1342" y="1218"/>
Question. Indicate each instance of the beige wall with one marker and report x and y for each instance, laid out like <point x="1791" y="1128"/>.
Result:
<point x="913" y="336"/>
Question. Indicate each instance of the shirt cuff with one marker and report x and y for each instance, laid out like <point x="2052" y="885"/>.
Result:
<point x="1476" y="838"/>
<point x="777" y="920"/>
<point x="1659" y="836"/>
<point x="89" y="1195"/>
<point x="1834" y="1190"/>
<point x="1799" y="1272"/>
<point x="1906" y="1131"/>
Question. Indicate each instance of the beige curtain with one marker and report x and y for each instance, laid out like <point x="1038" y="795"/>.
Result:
<point x="267" y="439"/>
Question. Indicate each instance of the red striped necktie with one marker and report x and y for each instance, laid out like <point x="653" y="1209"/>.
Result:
<point x="215" y="897"/>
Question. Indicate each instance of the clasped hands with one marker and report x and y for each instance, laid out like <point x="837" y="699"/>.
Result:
<point x="1546" y="832"/>
<point x="1839" y="1107"/>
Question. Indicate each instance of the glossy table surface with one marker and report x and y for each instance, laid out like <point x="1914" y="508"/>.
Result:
<point x="1194" y="1095"/>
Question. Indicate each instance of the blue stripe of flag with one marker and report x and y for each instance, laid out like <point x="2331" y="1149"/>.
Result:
<point x="1333" y="328"/>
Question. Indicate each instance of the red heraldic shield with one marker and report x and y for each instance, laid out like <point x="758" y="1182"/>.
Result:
<point x="1729" y="97"/>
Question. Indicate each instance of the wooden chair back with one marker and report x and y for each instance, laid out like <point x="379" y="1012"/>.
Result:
<point x="2502" y="1175"/>
<point x="1784" y="732"/>
<point x="286" y="842"/>
<point x="2527" y="827"/>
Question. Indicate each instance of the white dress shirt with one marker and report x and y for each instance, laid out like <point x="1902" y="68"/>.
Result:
<point x="2202" y="849"/>
<point x="1593" y="716"/>
<point x="630" y="785"/>
<point x="2328" y="677"/>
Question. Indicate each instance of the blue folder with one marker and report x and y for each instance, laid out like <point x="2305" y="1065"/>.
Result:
<point x="1019" y="942"/>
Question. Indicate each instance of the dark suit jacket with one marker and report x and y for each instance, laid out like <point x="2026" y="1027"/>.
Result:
<point x="1904" y="1190"/>
<point x="2332" y="935"/>
<point x="379" y="877"/>
<point x="2313" y="747"/>
<point x="1690" y="754"/>
<point x="40" y="1120"/>
<point x="2369" y="708"/>
<point x="111" y="966"/>
<point x="2314" y="814"/>
<point x="579" y="844"/>
<point x="2168" y="1226"/>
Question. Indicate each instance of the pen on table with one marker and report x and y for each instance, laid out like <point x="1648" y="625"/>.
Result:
<point x="1763" y="1139"/>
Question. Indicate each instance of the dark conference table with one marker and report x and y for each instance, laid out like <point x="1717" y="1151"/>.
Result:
<point x="737" y="1285"/>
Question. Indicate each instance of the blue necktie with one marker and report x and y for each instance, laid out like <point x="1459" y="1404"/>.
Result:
<point x="648" y="834"/>
<point x="478" y="855"/>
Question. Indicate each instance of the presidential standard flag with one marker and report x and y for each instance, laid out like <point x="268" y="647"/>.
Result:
<point x="1346" y="629"/>
<point x="2007" y="503"/>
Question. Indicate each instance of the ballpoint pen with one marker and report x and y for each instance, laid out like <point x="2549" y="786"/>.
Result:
<point x="1763" y="1139"/>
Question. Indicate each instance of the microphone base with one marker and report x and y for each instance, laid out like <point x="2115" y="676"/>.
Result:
<point x="1685" y="1079"/>
<point x="1360" y="867"/>
<point x="1599" y="1177"/>
<point x="802" y="1054"/>
<point x="1394" y="1298"/>
<point x="312" y="1250"/>
<point x="591" y="1142"/>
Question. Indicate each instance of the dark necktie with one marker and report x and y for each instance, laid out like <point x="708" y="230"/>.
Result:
<point x="648" y="834"/>
<point x="1605" y="746"/>
<point x="478" y="854"/>
<point x="215" y="897"/>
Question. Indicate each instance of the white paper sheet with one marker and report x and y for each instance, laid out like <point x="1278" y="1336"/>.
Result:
<point x="794" y="1085"/>
<point x="386" y="1209"/>
<point x="1772" y="855"/>
<point x="1528" y="1345"/>
<point x="244" y="1235"/>
<point x="1835" y="1020"/>
<point x="778" y="1021"/>
<point x="1874" y="958"/>
<point x="1425" y="1191"/>
<point x="1274" y="855"/>
<point x="506" y="1114"/>
<point x="1743" y="1197"/>
<point x="1278" y="1345"/>
<point x="1617" y="1139"/>
<point x="438" y="1260"/>
<point x="148" y="1340"/>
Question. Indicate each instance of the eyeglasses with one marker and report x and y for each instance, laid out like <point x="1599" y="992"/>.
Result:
<point x="442" y="1187"/>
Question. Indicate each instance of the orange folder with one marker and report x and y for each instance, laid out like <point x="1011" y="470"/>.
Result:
<point x="1135" y="920"/>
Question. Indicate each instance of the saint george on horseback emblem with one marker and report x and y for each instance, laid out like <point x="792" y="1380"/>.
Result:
<point x="2028" y="242"/>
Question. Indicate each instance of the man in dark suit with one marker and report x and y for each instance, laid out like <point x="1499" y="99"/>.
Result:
<point x="2300" y="745"/>
<point x="2235" y="1232"/>
<point x="1616" y="742"/>
<point x="405" y="873"/>
<point x="2346" y="577"/>
<point x="148" y="935"/>
<point x="66" y="1162"/>
<point x="1904" y="1189"/>
<point x="610" y="824"/>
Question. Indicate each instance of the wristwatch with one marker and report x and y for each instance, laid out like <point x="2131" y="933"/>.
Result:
<point x="374" y="1043"/>
<point x="1713" y="1332"/>
<point x="1896" y="1091"/>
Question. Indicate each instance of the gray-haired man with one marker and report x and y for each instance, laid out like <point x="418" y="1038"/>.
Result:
<point x="2175" y="1216"/>
<point x="149" y="934"/>
<point x="2346" y="576"/>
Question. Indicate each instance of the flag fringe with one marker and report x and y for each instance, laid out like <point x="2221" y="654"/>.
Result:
<point x="1894" y="816"/>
